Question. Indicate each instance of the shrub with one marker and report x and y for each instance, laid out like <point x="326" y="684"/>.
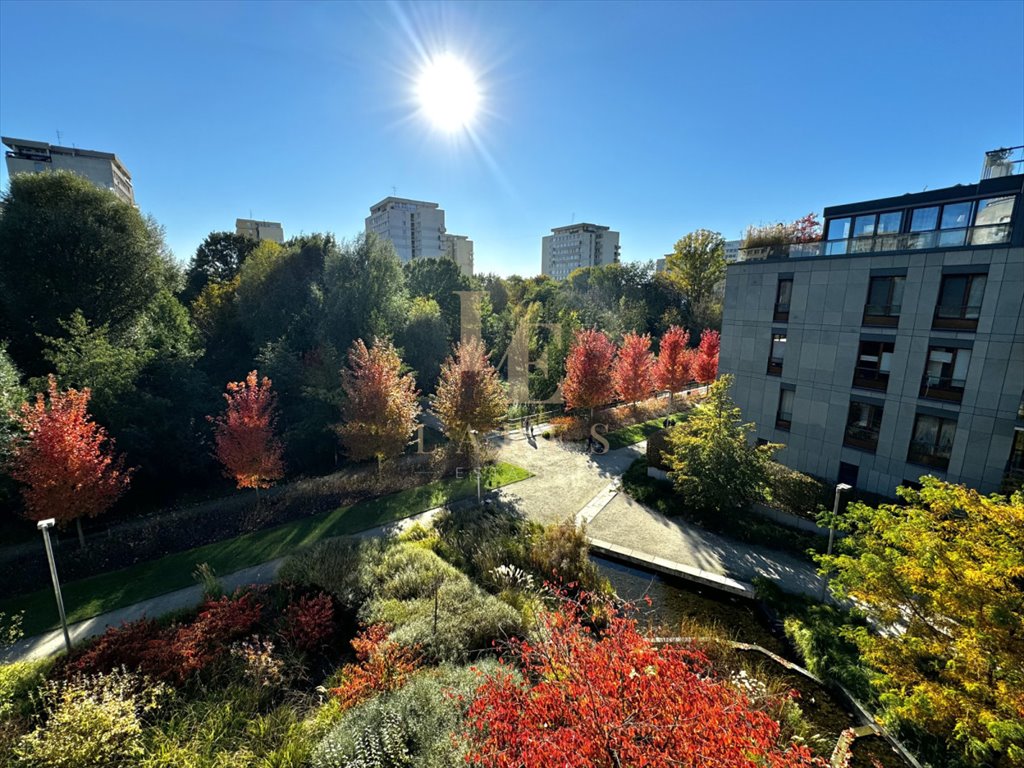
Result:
<point x="334" y="565"/>
<point x="128" y="646"/>
<point x="382" y="665"/>
<point x="562" y="553"/>
<point x="17" y="681"/>
<point x="308" y="622"/>
<point x="419" y="725"/>
<point x="91" y="722"/>
<point x="793" y="492"/>
<point x="657" y="444"/>
<point x="478" y="540"/>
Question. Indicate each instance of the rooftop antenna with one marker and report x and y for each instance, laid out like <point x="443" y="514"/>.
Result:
<point x="59" y="139"/>
<point x="394" y="191"/>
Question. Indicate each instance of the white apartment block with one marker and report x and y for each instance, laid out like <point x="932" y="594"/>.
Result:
<point x="459" y="248"/>
<point x="260" y="230"/>
<point x="732" y="251"/>
<point x="103" y="169"/>
<point x="414" y="227"/>
<point x="575" y="246"/>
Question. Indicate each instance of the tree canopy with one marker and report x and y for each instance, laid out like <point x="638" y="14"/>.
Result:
<point x="697" y="267"/>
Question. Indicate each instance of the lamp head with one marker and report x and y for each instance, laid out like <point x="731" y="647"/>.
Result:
<point x="843" y="487"/>
<point x="44" y="524"/>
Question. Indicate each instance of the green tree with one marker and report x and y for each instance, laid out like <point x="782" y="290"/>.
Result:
<point x="12" y="395"/>
<point x="425" y="341"/>
<point x="697" y="267"/>
<point x="945" y="567"/>
<point x="217" y="259"/>
<point x="68" y="245"/>
<point x="712" y="462"/>
<point x="439" y="279"/>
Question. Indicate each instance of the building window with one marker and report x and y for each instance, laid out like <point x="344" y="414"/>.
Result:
<point x="1015" y="466"/>
<point x="885" y="300"/>
<point x="862" y="425"/>
<point x="959" y="302"/>
<point x="992" y="221"/>
<point x="945" y="373"/>
<point x="784" y="416"/>
<point x="783" y="295"/>
<point x="778" y="352"/>
<point x="874" y="364"/>
<point x="932" y="441"/>
<point x="837" y="235"/>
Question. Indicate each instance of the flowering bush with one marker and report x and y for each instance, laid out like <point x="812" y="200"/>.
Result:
<point x="259" y="664"/>
<point x="308" y="622"/>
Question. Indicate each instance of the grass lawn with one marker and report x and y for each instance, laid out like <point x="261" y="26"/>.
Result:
<point x="620" y="438"/>
<point x="90" y="597"/>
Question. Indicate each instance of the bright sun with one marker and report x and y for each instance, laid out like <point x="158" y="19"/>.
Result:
<point x="448" y="93"/>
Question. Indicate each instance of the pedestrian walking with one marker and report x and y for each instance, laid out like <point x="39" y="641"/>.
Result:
<point x="529" y="426"/>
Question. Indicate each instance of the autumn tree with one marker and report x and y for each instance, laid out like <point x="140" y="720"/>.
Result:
<point x="712" y="462"/>
<point x="705" y="360"/>
<point x="470" y="396"/>
<point x="697" y="268"/>
<point x="588" y="382"/>
<point x="244" y="435"/>
<point x="633" y="369"/>
<point x="66" y="463"/>
<point x="672" y="369"/>
<point x="946" y="566"/>
<point x="613" y="699"/>
<point x="380" y="407"/>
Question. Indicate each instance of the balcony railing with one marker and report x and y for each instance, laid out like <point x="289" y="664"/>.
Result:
<point x="942" y="388"/>
<point x="861" y="437"/>
<point x="988" y="234"/>
<point x="927" y="454"/>
<point x="870" y="378"/>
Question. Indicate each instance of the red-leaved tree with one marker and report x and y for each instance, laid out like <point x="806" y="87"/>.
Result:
<point x="633" y="370"/>
<point x="672" y="370"/>
<point x="380" y="403"/>
<point x="614" y="699"/>
<point x="470" y="396"/>
<point x="244" y="436"/>
<point x="66" y="462"/>
<point x="705" y="362"/>
<point x="588" y="382"/>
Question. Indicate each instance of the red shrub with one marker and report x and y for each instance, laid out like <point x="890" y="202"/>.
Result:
<point x="128" y="645"/>
<point x="308" y="622"/>
<point x="383" y="665"/>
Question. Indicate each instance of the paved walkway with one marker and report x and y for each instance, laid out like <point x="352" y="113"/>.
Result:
<point x="568" y="483"/>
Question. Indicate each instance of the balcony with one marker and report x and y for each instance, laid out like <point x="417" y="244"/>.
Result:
<point x="942" y="388"/>
<point x="862" y="438"/>
<point x="870" y="378"/>
<point x="989" y="234"/>
<point x="882" y="315"/>
<point x="774" y="366"/>
<point x="926" y="454"/>
<point x="781" y="251"/>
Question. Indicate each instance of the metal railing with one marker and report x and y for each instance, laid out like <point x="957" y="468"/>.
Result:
<point x="870" y="378"/>
<point x="929" y="455"/>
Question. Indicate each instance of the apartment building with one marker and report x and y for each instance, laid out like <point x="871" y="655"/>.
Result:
<point x="894" y="348"/>
<point x="260" y="230"/>
<point x="575" y="246"/>
<point x="103" y="169"/>
<point x="459" y="248"/>
<point x="414" y="227"/>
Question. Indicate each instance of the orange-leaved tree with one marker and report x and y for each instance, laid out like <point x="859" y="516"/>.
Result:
<point x="244" y="435"/>
<point x="675" y="358"/>
<point x="588" y="382"/>
<point x="380" y="407"/>
<point x="470" y="396"/>
<point x="633" y="369"/>
<point x="705" y="362"/>
<point x="66" y="462"/>
<point x="581" y="699"/>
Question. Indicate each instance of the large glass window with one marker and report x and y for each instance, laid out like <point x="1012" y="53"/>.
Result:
<point x="889" y="223"/>
<point x="955" y="220"/>
<point x="945" y="373"/>
<point x="864" y="226"/>
<point x="931" y="442"/>
<point x="784" y="415"/>
<point x="837" y="235"/>
<point x="874" y="364"/>
<point x="992" y="221"/>
<point x="778" y="352"/>
<point x="885" y="301"/>
<point x="924" y="219"/>
<point x="783" y="295"/>
<point x="862" y="426"/>
<point x="959" y="304"/>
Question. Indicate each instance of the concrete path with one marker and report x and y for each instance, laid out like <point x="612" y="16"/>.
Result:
<point x="568" y="483"/>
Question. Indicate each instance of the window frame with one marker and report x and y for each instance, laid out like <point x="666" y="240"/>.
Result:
<point x="959" y="321"/>
<point x="781" y="423"/>
<point x="780" y="313"/>
<point x="775" y="364"/>
<point x="945" y="388"/>
<point x="870" y="443"/>
<point x="934" y="458"/>
<point x="866" y="377"/>
<point x="888" y="318"/>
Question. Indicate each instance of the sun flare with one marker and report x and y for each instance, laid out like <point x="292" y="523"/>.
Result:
<point x="448" y="93"/>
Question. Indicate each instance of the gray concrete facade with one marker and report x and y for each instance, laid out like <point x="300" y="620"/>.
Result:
<point x="103" y="169"/>
<point x="825" y="326"/>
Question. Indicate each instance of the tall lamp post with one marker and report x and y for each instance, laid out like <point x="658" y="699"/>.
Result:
<point x="840" y="489"/>
<point x="45" y="526"/>
<point x="476" y="460"/>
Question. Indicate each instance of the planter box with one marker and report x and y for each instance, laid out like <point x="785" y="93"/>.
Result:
<point x="791" y="521"/>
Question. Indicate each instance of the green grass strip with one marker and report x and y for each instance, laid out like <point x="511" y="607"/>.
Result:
<point x="620" y="438"/>
<point x="104" y="592"/>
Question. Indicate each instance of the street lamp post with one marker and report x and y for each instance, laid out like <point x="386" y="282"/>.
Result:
<point x="45" y="526"/>
<point x="840" y="489"/>
<point x="476" y="460"/>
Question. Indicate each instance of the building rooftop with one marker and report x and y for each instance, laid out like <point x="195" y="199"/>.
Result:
<point x="40" y="149"/>
<point x="581" y="226"/>
<point x="401" y="201"/>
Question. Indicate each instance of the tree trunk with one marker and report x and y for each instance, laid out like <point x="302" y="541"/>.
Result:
<point x="81" y="533"/>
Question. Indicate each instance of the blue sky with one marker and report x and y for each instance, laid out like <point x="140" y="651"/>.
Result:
<point x="654" y="119"/>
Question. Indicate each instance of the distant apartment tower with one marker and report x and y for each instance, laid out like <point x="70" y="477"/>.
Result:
<point x="103" y="169"/>
<point x="459" y="248"/>
<point x="575" y="246"/>
<point x="260" y="230"/>
<point x="894" y="347"/>
<point x="732" y="251"/>
<point x="414" y="227"/>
